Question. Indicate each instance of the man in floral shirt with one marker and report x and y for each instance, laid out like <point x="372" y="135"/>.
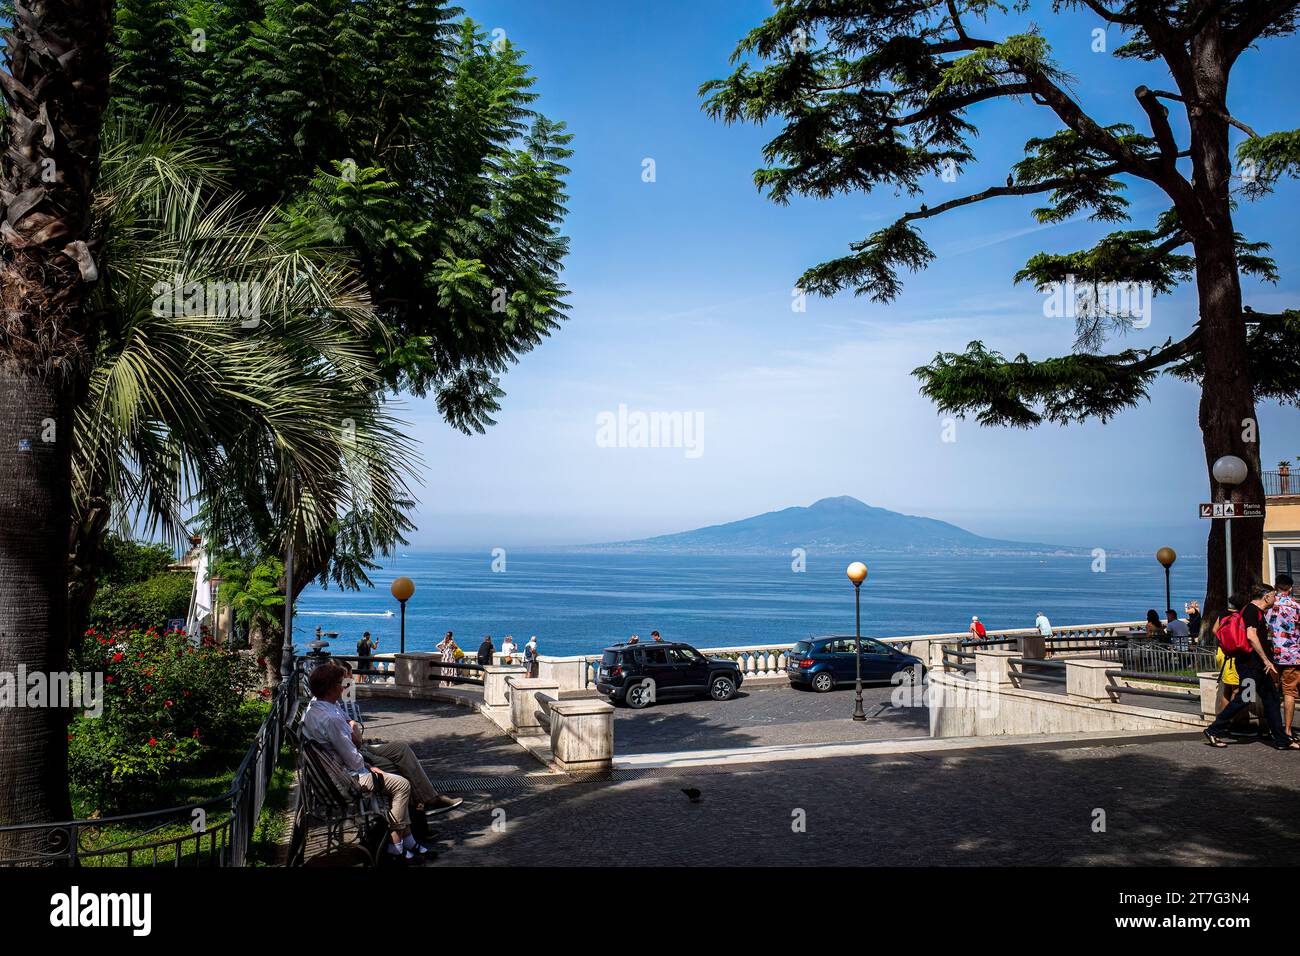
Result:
<point x="1284" y="623"/>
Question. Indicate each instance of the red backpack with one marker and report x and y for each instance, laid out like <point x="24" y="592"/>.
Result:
<point x="1232" y="635"/>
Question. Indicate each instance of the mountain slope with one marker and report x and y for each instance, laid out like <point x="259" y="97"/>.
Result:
<point x="830" y="525"/>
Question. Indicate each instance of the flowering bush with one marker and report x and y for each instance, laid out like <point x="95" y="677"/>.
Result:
<point x="167" y="703"/>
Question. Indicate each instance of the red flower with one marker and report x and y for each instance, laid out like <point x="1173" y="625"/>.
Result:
<point x="186" y="693"/>
<point x="108" y="679"/>
<point x="117" y="657"/>
<point x="69" y="736"/>
<point x="195" y="735"/>
<point x="148" y="687"/>
<point x="167" y="703"/>
<point x="153" y="741"/>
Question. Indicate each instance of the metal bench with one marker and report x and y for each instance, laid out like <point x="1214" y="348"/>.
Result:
<point x="331" y="797"/>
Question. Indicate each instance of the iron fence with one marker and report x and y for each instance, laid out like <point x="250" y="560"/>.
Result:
<point x="214" y="832"/>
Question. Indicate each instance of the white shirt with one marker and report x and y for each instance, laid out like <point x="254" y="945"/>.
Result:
<point x="325" y="723"/>
<point x="1044" y="625"/>
<point x="508" y="647"/>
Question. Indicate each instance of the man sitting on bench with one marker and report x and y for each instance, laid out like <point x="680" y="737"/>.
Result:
<point x="398" y="758"/>
<point x="327" y="725"/>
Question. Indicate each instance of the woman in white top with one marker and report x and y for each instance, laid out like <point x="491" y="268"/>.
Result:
<point x="508" y="649"/>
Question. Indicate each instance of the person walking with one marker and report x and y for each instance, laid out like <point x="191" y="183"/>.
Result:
<point x="530" y="656"/>
<point x="1284" y="625"/>
<point x="1244" y="638"/>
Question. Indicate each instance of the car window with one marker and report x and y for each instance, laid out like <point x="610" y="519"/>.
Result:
<point x="874" y="647"/>
<point x="683" y="655"/>
<point x="609" y="658"/>
<point x="655" y="655"/>
<point x="846" y="646"/>
<point x="801" y="648"/>
<point x="824" y="647"/>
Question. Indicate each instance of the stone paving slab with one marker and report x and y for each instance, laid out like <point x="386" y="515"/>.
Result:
<point x="773" y="714"/>
<point x="1166" y="802"/>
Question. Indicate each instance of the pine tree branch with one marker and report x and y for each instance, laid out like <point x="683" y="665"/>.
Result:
<point x="1046" y="185"/>
<point x="1263" y="15"/>
<point x="1194" y="105"/>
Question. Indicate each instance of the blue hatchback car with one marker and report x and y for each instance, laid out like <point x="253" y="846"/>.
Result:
<point x="824" y="663"/>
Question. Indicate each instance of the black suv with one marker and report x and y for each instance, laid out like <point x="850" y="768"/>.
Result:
<point x="638" y="674"/>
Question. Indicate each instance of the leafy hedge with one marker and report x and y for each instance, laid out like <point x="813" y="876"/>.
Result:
<point x="167" y="706"/>
<point x="149" y="603"/>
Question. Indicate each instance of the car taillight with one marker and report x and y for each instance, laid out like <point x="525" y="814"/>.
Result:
<point x="807" y="662"/>
<point x="615" y="671"/>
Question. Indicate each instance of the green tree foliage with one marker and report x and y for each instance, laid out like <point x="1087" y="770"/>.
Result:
<point x="870" y="94"/>
<point x="406" y="135"/>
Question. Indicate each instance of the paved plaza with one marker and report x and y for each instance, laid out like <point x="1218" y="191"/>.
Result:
<point x="765" y="715"/>
<point x="1165" y="801"/>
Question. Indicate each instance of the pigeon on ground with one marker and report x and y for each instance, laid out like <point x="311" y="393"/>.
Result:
<point x="692" y="793"/>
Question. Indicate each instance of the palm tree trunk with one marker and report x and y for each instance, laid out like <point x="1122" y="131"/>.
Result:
<point x="55" y="85"/>
<point x="35" y="506"/>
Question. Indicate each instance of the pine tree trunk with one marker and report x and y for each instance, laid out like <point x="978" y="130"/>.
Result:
<point x="1227" y="411"/>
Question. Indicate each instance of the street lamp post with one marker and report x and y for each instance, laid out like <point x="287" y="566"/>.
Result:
<point x="1229" y="471"/>
<point x="1167" y="557"/>
<point x="402" y="589"/>
<point x="857" y="572"/>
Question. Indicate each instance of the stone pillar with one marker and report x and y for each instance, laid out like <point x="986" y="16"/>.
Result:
<point x="496" y="692"/>
<point x="565" y="671"/>
<point x="524" y="704"/>
<point x="993" y="668"/>
<point x="1032" y="647"/>
<point x="412" y="670"/>
<point x="1209" y="693"/>
<point x="1087" y="678"/>
<point x="934" y="661"/>
<point x="582" y="735"/>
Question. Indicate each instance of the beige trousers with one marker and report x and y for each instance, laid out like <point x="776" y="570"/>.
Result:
<point x="398" y="790"/>
<point x="401" y="757"/>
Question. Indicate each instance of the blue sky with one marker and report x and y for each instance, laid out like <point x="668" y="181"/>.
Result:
<point x="681" y="301"/>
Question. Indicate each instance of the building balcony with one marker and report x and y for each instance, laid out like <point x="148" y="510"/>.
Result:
<point x="1282" y="484"/>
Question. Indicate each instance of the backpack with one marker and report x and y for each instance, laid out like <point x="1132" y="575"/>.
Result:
<point x="1232" y="635"/>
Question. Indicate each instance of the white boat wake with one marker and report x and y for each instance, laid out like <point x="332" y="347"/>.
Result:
<point x="343" y="613"/>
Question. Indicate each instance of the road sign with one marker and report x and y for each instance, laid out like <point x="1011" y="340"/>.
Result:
<point x="1230" y="509"/>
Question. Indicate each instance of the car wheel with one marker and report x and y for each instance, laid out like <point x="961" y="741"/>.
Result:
<point x="638" y="696"/>
<point x="823" y="682"/>
<point x="722" y="687"/>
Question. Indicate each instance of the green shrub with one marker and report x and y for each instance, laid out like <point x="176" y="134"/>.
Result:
<point x="167" y="705"/>
<point x="149" y="603"/>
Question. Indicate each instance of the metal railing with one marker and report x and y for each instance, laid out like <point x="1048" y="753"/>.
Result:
<point x="1125" y="674"/>
<point x="1277" y="484"/>
<point x="1019" y="667"/>
<point x="214" y="832"/>
<point x="456" y="672"/>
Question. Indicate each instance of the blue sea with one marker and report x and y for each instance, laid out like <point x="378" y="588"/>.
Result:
<point x="576" y="603"/>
